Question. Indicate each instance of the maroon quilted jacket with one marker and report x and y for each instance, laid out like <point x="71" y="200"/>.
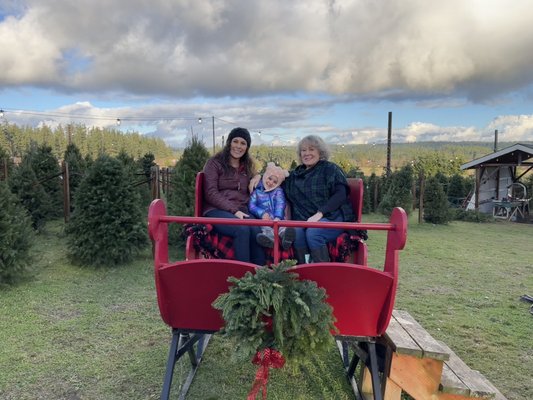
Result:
<point x="226" y="191"/>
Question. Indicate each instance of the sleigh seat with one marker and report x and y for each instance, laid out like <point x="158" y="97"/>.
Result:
<point x="204" y="242"/>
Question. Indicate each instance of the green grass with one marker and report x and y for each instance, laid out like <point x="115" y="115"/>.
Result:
<point x="79" y="333"/>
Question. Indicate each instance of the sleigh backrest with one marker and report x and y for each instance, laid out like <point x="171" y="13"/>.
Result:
<point x="362" y="298"/>
<point x="186" y="289"/>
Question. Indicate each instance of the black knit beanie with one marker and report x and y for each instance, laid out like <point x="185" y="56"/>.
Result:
<point x="242" y="133"/>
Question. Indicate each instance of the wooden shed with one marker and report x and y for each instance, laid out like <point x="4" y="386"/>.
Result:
<point x="498" y="189"/>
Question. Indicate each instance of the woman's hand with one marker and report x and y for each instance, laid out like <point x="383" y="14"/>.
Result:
<point x="316" y="217"/>
<point x="241" y="215"/>
<point x="253" y="182"/>
<point x="266" y="216"/>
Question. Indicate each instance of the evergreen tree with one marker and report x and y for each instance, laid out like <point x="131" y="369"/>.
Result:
<point x="398" y="192"/>
<point x="76" y="169"/>
<point x="126" y="159"/>
<point x="181" y="201"/>
<point x="373" y="189"/>
<point x="367" y="202"/>
<point x="436" y="207"/>
<point x="47" y="169"/>
<point x="293" y="166"/>
<point x="107" y="226"/>
<point x="6" y="164"/>
<point x="135" y="176"/>
<point x="15" y="236"/>
<point x="355" y="172"/>
<point x="31" y="194"/>
<point x="145" y="165"/>
<point x="182" y="197"/>
<point x="457" y="190"/>
<point x="443" y="180"/>
<point x="89" y="160"/>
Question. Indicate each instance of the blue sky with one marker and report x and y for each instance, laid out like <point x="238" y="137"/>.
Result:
<point x="454" y="70"/>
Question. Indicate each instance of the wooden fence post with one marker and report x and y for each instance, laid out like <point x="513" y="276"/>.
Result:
<point x="4" y="169"/>
<point x="375" y="196"/>
<point x="413" y="191"/>
<point x="154" y="181"/>
<point x="66" y="191"/>
<point x="166" y="180"/>
<point x="421" y="198"/>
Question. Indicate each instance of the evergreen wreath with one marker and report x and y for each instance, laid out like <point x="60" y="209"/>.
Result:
<point x="273" y="309"/>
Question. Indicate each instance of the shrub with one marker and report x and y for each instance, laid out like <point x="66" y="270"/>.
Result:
<point x="436" y="207"/>
<point x="181" y="197"/>
<point x="472" y="216"/>
<point x="145" y="164"/>
<point x="31" y="194"/>
<point x="107" y="226"/>
<point x="76" y="167"/>
<point x="398" y="191"/>
<point x="15" y="236"/>
<point x="47" y="170"/>
<point x="457" y="190"/>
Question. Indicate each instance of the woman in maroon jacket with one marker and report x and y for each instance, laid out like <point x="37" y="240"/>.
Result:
<point x="226" y="194"/>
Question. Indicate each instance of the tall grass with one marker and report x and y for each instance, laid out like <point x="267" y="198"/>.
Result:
<point x="78" y="333"/>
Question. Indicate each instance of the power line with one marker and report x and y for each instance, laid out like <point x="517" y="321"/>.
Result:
<point x="96" y="117"/>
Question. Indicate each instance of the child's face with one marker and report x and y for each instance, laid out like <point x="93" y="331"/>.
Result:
<point x="271" y="182"/>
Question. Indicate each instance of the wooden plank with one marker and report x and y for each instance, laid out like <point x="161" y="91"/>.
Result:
<point x="400" y="340"/>
<point x="450" y="383"/>
<point x="478" y="385"/>
<point x="392" y="391"/>
<point x="419" y="377"/>
<point x="498" y="395"/>
<point x="430" y="347"/>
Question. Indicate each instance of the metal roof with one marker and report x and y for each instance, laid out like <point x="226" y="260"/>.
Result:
<point x="517" y="154"/>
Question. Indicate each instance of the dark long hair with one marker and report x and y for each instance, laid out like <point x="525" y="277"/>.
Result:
<point x="225" y="154"/>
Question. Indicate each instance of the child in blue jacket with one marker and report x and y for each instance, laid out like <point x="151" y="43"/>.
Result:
<point x="268" y="202"/>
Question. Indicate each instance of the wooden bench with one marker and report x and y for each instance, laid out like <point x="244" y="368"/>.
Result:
<point x="419" y="365"/>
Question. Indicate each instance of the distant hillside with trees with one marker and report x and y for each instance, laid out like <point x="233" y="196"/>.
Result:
<point x="90" y="141"/>
<point x="357" y="158"/>
<point x="372" y="158"/>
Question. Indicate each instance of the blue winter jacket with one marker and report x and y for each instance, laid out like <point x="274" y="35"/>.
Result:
<point x="272" y="202"/>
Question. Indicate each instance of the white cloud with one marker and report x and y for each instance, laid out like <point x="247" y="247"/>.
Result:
<point x="284" y="68"/>
<point x="513" y="128"/>
<point x="217" y="48"/>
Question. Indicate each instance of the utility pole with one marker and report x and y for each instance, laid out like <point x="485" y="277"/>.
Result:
<point x="213" y="121"/>
<point x="389" y="140"/>
<point x="496" y="140"/>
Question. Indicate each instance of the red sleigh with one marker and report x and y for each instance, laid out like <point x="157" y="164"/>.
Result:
<point x="362" y="297"/>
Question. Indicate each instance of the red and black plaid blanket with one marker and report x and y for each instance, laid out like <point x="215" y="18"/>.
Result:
<point x="211" y="244"/>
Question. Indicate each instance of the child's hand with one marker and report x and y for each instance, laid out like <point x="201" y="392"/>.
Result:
<point x="253" y="183"/>
<point x="266" y="216"/>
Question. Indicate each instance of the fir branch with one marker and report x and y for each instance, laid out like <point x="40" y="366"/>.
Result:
<point x="274" y="308"/>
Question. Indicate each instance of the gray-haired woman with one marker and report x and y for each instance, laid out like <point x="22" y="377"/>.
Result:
<point x="318" y="191"/>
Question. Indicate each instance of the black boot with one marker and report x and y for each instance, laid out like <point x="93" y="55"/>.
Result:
<point x="287" y="237"/>
<point x="320" y="254"/>
<point x="300" y="253"/>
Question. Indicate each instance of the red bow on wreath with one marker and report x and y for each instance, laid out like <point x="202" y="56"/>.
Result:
<point x="266" y="359"/>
